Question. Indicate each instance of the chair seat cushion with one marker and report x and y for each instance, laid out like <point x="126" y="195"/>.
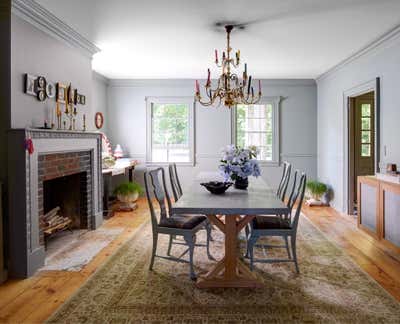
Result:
<point x="182" y="221"/>
<point x="271" y="222"/>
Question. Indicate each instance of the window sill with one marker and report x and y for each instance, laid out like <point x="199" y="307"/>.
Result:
<point x="165" y="164"/>
<point x="269" y="163"/>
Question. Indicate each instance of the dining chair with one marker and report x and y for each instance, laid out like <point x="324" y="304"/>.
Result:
<point x="285" y="227"/>
<point x="174" y="180"/>
<point x="177" y="193"/>
<point x="282" y="188"/>
<point x="172" y="225"/>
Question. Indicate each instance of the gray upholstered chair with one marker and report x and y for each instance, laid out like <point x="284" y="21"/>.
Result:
<point x="285" y="227"/>
<point x="282" y="188"/>
<point x="172" y="225"/>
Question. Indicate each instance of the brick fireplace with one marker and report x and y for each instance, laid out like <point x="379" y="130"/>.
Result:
<point x="65" y="181"/>
<point x="63" y="170"/>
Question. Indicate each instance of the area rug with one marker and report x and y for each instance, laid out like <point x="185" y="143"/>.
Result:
<point x="71" y="251"/>
<point x="330" y="288"/>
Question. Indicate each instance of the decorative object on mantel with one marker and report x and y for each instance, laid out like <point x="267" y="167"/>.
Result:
<point x="50" y="90"/>
<point x="238" y="164"/>
<point x="98" y="120"/>
<point x="29" y="145"/>
<point x="60" y="93"/>
<point x="230" y="89"/>
<point x="127" y="194"/>
<point x="118" y="152"/>
<point x="315" y="191"/>
<point x="216" y="187"/>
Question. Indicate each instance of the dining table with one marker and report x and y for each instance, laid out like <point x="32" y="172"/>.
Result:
<point x="230" y="213"/>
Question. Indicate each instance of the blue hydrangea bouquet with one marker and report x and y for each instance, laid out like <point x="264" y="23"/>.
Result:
<point x="238" y="164"/>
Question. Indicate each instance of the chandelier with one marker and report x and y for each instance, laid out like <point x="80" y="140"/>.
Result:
<point x="231" y="90"/>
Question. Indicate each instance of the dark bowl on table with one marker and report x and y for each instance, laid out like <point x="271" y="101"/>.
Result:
<point x="216" y="187"/>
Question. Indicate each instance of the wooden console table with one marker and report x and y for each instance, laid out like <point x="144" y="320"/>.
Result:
<point x="379" y="210"/>
<point x="122" y="166"/>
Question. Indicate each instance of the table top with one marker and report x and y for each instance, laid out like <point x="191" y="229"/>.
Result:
<point x="257" y="199"/>
<point x="120" y="166"/>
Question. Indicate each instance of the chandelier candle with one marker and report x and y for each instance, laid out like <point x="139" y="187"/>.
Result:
<point x="230" y="89"/>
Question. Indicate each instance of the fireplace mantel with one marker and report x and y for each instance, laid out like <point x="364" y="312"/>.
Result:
<point x="26" y="252"/>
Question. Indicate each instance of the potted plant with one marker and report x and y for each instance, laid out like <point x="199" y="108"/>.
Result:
<point x="128" y="192"/>
<point x="315" y="190"/>
<point x="238" y="164"/>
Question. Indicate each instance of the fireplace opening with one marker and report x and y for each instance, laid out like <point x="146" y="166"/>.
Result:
<point x="64" y="205"/>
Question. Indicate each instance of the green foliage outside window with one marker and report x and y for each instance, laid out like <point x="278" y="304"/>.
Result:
<point x="170" y="124"/>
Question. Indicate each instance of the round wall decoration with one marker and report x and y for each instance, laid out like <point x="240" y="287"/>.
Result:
<point x="41" y="95"/>
<point x="50" y="90"/>
<point x="99" y="120"/>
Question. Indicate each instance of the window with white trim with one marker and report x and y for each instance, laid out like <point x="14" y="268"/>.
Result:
<point x="170" y="129"/>
<point x="258" y="125"/>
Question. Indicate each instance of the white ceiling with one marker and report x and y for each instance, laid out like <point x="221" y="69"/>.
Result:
<point x="177" y="38"/>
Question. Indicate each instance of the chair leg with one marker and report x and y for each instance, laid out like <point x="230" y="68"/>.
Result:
<point x="247" y="232"/>
<point x="209" y="238"/>
<point x="171" y="239"/>
<point x="250" y="247"/>
<point x="190" y="240"/>
<point x="293" y="244"/>
<point x="153" y="253"/>
<point x="287" y="247"/>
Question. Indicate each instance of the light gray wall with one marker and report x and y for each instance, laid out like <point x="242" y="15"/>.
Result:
<point x="383" y="62"/>
<point x="35" y="52"/>
<point x="127" y="123"/>
<point x="100" y="99"/>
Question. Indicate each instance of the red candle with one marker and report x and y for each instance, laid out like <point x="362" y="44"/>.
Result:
<point x="197" y="87"/>
<point x="208" y="77"/>
<point x="223" y="56"/>
<point x="216" y="56"/>
<point x="259" y="86"/>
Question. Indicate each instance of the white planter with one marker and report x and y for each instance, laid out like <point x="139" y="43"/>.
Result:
<point x="128" y="198"/>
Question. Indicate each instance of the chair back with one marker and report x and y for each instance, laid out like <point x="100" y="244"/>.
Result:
<point x="174" y="179"/>
<point x="159" y="189"/>
<point x="291" y="201"/>
<point x="298" y="197"/>
<point x="287" y="167"/>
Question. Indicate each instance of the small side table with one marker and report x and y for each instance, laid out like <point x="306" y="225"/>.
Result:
<point x="122" y="166"/>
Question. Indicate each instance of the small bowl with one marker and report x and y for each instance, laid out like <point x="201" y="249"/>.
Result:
<point x="217" y="187"/>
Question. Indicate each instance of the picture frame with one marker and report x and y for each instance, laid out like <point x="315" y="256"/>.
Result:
<point x="70" y="94"/>
<point x="82" y="100"/>
<point x="61" y="93"/>
<point x="50" y="90"/>
<point x="41" y="83"/>
<point x="30" y="84"/>
<point x="41" y="95"/>
<point x="76" y="99"/>
<point x="98" y="120"/>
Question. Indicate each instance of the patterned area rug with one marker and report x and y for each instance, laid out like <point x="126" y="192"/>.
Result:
<point x="330" y="288"/>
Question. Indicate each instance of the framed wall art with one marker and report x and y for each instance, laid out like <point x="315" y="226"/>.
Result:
<point x="61" y="92"/>
<point x="30" y="87"/>
<point x="98" y="120"/>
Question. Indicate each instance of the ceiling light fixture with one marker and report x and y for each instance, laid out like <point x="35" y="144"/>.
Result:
<point x="230" y="89"/>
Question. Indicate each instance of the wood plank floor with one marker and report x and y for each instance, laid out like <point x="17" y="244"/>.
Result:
<point x="33" y="300"/>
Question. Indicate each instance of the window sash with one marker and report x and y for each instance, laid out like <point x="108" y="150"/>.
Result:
<point x="151" y="147"/>
<point x="275" y="149"/>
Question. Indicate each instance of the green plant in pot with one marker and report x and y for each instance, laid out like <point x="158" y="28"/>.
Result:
<point x="315" y="190"/>
<point x="128" y="192"/>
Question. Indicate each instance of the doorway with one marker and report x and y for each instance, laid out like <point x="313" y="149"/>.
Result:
<point x="361" y="142"/>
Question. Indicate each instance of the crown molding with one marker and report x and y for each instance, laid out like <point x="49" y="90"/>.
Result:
<point x="38" y="16"/>
<point x="379" y="43"/>
<point x="100" y="77"/>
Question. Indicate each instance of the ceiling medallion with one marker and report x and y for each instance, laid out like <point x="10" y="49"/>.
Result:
<point x="230" y="89"/>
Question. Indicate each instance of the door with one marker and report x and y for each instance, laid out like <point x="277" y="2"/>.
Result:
<point x="362" y="140"/>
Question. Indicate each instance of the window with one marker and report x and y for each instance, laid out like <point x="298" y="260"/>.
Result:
<point x="258" y="125"/>
<point x="170" y="130"/>
<point x="366" y="135"/>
